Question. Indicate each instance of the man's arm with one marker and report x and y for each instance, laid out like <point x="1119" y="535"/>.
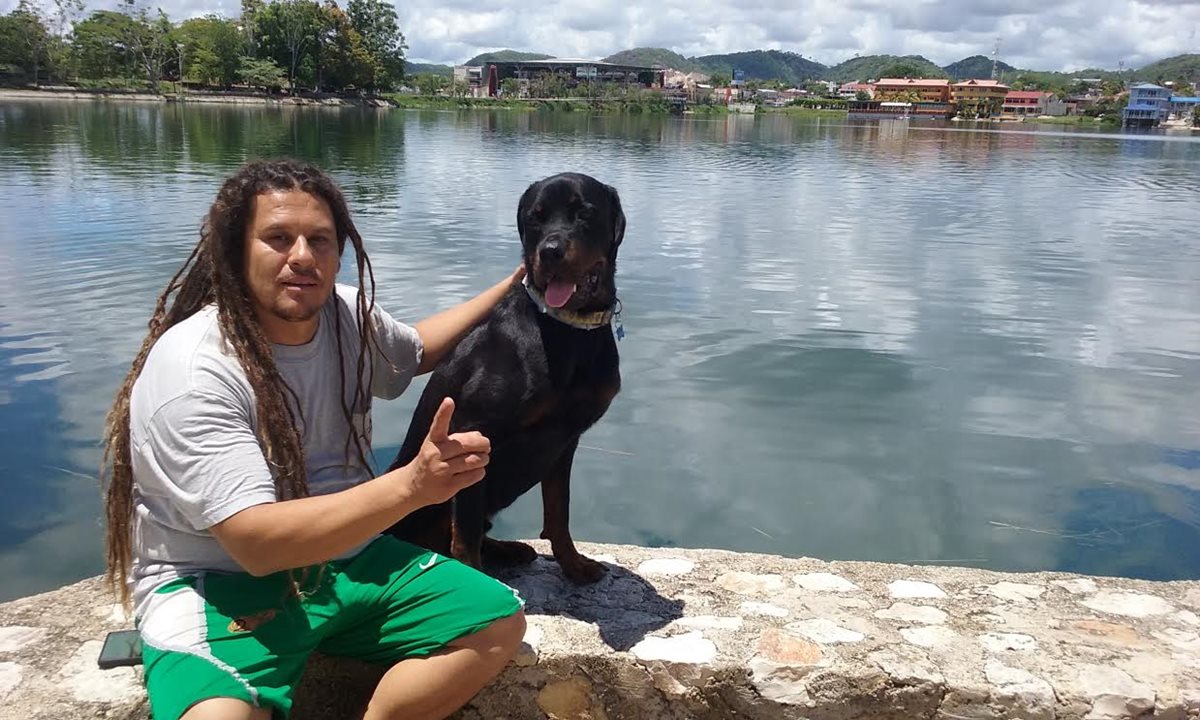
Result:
<point x="277" y="536"/>
<point x="441" y="332"/>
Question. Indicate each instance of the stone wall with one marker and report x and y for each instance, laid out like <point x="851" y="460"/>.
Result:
<point x="699" y="634"/>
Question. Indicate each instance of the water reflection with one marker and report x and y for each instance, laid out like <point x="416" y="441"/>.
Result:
<point x="849" y="340"/>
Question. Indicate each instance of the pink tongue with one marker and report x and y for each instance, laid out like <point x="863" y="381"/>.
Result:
<point x="558" y="293"/>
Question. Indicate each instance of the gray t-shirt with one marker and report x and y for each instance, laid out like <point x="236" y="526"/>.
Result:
<point x="195" y="451"/>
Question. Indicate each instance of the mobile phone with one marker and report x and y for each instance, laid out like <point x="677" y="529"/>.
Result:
<point x="121" y="648"/>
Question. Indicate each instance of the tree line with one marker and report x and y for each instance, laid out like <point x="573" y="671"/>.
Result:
<point x="302" y="45"/>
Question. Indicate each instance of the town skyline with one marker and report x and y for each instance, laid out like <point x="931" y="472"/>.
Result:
<point x="1051" y="35"/>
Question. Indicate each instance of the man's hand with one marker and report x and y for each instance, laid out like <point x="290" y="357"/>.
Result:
<point x="447" y="463"/>
<point x="518" y="274"/>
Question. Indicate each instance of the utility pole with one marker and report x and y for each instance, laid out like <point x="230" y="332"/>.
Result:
<point x="996" y="61"/>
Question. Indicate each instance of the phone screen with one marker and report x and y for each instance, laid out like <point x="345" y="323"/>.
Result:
<point x="121" y="648"/>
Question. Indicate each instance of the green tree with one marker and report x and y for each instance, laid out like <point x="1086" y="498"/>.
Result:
<point x="1182" y="87"/>
<point x="211" y="50"/>
<point x="1078" y="87"/>
<point x="265" y="74"/>
<point x="150" y="40"/>
<point x="720" y="79"/>
<point x="100" y="45"/>
<point x="510" y="87"/>
<point x="251" y="9"/>
<point x="25" y="39"/>
<point x="1112" y="88"/>
<point x="343" y="59"/>
<point x="862" y="96"/>
<point x="288" y="29"/>
<point x="66" y="14"/>
<point x="819" y="89"/>
<point x="548" y="85"/>
<point x="430" y="84"/>
<point x="903" y="69"/>
<point x="376" y="23"/>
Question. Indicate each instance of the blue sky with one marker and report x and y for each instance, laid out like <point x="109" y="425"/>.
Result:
<point x="1042" y="34"/>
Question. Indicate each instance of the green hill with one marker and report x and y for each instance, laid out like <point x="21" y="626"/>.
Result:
<point x="873" y="67"/>
<point x="1186" y="67"/>
<point x="793" y="68"/>
<point x="506" y="56"/>
<point x="412" y="68"/>
<point x="651" y="56"/>
<point x="757" y="64"/>
<point x="975" y="67"/>
<point x="764" y="65"/>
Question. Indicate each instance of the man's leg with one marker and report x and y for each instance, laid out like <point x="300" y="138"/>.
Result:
<point x="430" y="688"/>
<point x="442" y="629"/>
<point x="223" y="646"/>
<point x="226" y="709"/>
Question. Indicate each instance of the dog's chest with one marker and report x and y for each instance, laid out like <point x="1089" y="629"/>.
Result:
<point x="573" y="386"/>
<point x="571" y="401"/>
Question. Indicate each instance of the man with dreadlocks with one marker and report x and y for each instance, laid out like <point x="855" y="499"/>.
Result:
<point x="243" y="521"/>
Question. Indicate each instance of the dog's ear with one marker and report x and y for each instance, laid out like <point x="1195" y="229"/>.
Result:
<point x="618" y="215"/>
<point x="523" y="207"/>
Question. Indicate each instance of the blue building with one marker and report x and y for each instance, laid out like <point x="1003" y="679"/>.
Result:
<point x="1183" y="108"/>
<point x="1148" y="106"/>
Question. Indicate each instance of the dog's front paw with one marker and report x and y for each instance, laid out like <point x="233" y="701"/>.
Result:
<point x="583" y="570"/>
<point x="507" y="553"/>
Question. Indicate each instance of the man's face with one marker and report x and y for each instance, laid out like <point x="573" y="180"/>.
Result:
<point x="291" y="260"/>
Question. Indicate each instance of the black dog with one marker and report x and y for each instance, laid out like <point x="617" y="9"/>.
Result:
<point x="532" y="377"/>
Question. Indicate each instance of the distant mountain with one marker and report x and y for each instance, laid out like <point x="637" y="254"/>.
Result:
<point x="873" y="67"/>
<point x="975" y="67"/>
<point x="651" y="56"/>
<point x="412" y="68"/>
<point x="506" y="56"/>
<point x="756" y="64"/>
<point x="792" y="68"/>
<point x="788" y="67"/>
<point x="1185" y="67"/>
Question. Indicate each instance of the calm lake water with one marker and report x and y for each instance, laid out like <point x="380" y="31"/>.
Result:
<point x="844" y="340"/>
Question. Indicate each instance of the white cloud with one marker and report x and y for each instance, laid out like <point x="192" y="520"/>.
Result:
<point x="1041" y="34"/>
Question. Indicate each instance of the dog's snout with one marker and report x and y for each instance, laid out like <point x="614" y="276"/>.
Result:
<point x="553" y="250"/>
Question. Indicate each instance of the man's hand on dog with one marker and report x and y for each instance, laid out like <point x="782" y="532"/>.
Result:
<point x="447" y="462"/>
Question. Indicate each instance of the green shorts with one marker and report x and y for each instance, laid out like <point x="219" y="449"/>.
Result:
<point x="239" y="636"/>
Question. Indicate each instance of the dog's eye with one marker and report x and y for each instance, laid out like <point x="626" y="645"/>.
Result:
<point x="584" y="213"/>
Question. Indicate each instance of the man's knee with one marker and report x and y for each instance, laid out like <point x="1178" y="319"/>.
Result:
<point x="225" y="709"/>
<point x="501" y="637"/>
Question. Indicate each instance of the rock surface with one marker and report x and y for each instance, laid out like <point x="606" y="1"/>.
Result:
<point x="703" y="634"/>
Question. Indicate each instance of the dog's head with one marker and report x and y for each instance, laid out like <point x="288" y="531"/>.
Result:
<point x="571" y="226"/>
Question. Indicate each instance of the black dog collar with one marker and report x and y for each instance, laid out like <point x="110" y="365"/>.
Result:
<point x="583" y="321"/>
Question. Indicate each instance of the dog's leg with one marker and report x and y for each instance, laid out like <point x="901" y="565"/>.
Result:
<point x="507" y="553"/>
<point x="556" y="502"/>
<point x="468" y="525"/>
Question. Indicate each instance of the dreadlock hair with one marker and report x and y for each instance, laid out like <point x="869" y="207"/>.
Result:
<point x="214" y="273"/>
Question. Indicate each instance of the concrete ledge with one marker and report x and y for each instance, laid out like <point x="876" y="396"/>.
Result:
<point x="701" y="634"/>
